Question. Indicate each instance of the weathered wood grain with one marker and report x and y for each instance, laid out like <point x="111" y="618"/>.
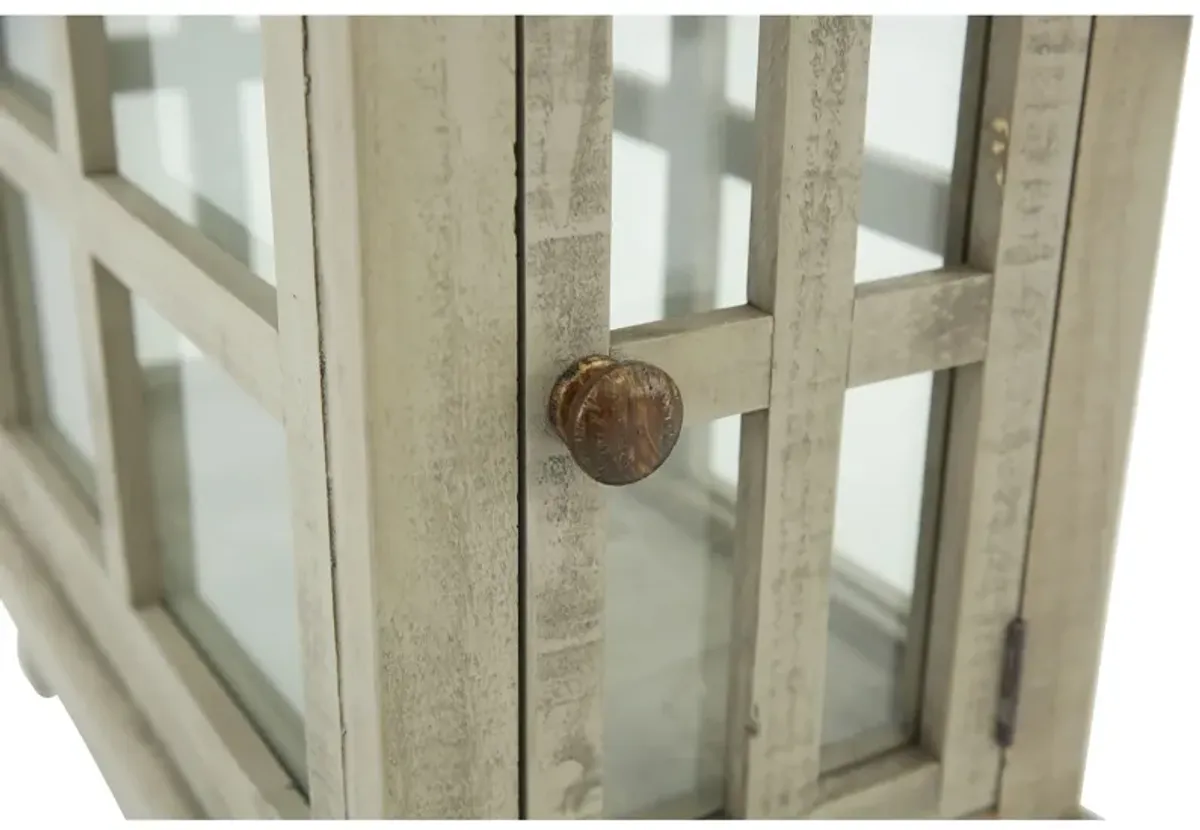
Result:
<point x="920" y="322"/>
<point x="566" y="164"/>
<point x="1132" y="99"/>
<point x="303" y="396"/>
<point x="413" y="124"/>
<point x="721" y="360"/>
<point x="812" y="84"/>
<point x="1030" y="115"/>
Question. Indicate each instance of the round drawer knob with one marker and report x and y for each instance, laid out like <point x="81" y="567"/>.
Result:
<point x="619" y="418"/>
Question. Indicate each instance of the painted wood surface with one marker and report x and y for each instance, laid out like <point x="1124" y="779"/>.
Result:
<point x="285" y="87"/>
<point x="124" y="488"/>
<point x="812" y="88"/>
<point x="1029" y="119"/>
<point x="413" y="124"/>
<point x="1132" y="99"/>
<point x="566" y="172"/>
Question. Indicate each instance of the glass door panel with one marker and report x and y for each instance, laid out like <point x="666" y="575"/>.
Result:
<point x="683" y="157"/>
<point x="190" y="131"/>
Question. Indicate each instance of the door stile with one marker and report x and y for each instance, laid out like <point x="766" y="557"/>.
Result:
<point x="566" y="96"/>
<point x="1032" y="100"/>
<point x="1134" y="82"/>
<point x="414" y="181"/>
<point x="303" y="391"/>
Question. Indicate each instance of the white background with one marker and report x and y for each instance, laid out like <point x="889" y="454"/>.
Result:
<point x="1142" y="762"/>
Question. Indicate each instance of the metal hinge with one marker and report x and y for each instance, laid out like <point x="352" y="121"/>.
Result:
<point x="1010" y="682"/>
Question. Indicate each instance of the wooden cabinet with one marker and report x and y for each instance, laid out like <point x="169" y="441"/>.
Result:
<point x="575" y="417"/>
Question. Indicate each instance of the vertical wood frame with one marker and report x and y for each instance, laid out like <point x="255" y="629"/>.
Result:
<point x="1030" y="115"/>
<point x="13" y="385"/>
<point x="29" y="404"/>
<point x="565" y="75"/>
<point x="810" y="116"/>
<point x="1134" y="80"/>
<point x="285" y="85"/>
<point x="124" y="489"/>
<point x="415" y="182"/>
<point x="22" y="379"/>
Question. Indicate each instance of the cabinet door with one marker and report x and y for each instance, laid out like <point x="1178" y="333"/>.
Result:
<point x="149" y="421"/>
<point x="787" y="298"/>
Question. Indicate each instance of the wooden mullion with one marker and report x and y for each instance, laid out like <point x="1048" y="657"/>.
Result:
<point x="124" y="488"/>
<point x="810" y="117"/>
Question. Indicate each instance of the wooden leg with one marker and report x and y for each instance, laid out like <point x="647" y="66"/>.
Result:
<point x="30" y="669"/>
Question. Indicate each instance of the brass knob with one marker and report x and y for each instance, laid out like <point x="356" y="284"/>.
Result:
<point x="619" y="418"/>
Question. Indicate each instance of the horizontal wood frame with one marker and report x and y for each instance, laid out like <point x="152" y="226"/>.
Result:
<point x="901" y="326"/>
<point x="210" y="297"/>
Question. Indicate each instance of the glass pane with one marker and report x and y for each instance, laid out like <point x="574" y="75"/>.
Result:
<point x="875" y="626"/>
<point x="220" y="468"/>
<point x="190" y="125"/>
<point x="25" y="58"/>
<point x="683" y="153"/>
<point x="668" y="605"/>
<point x="913" y="91"/>
<point x="680" y="230"/>
<point x="38" y="262"/>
